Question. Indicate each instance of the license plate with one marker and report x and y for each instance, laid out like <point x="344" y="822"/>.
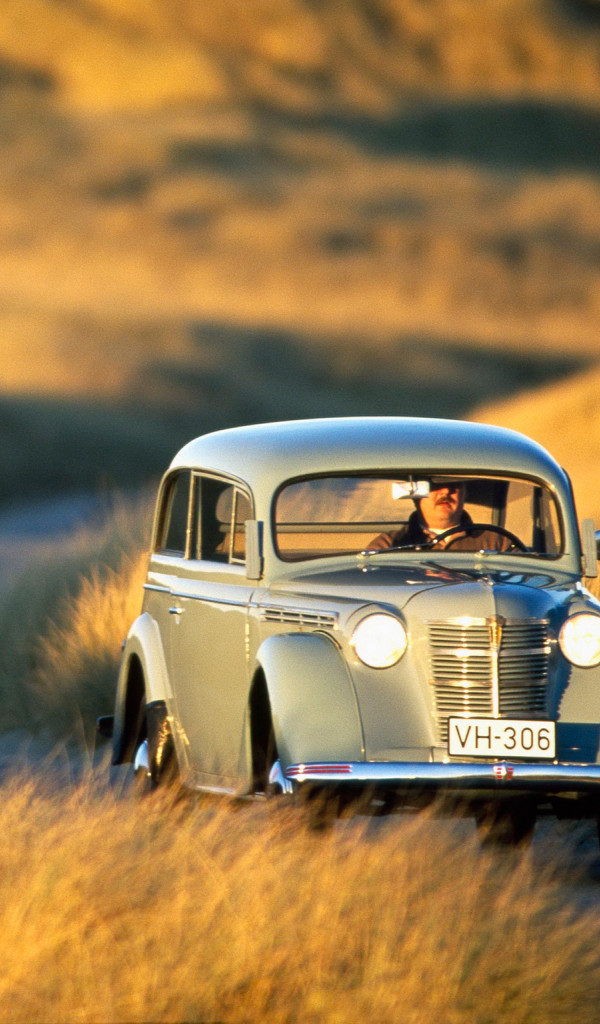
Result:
<point x="500" y="737"/>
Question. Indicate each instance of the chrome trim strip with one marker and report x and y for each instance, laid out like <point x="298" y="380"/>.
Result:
<point x="195" y="597"/>
<point x="209" y="600"/>
<point x="468" y="775"/>
<point x="495" y="629"/>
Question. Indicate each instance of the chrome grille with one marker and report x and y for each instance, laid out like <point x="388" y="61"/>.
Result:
<point x="487" y="667"/>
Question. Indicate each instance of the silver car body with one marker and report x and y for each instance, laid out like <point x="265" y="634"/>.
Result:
<point x="251" y="647"/>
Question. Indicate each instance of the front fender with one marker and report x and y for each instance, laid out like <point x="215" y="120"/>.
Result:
<point x="143" y="667"/>
<point x="313" y="704"/>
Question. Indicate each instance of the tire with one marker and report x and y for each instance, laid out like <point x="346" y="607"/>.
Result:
<point x="162" y="759"/>
<point x="154" y="765"/>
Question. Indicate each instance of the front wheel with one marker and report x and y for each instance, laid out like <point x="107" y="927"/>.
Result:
<point x="154" y="762"/>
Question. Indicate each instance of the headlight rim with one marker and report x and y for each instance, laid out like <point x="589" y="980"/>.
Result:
<point x="360" y="642"/>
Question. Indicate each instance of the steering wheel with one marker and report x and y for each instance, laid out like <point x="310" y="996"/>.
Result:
<point x="475" y="528"/>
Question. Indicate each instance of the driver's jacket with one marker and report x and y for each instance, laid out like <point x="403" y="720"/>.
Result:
<point x="415" y="532"/>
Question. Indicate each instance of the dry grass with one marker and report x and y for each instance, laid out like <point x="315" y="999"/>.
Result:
<point x="63" y="623"/>
<point x="196" y="912"/>
<point x="77" y="658"/>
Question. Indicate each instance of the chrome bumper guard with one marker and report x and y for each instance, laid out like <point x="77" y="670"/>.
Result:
<point x="550" y="777"/>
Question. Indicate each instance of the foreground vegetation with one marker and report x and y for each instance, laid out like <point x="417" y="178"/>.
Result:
<point x="115" y="912"/>
<point x="63" y="623"/>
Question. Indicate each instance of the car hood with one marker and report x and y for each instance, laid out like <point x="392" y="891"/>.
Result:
<point x="456" y="591"/>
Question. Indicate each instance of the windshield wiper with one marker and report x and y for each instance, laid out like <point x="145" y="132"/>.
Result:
<point x="369" y="552"/>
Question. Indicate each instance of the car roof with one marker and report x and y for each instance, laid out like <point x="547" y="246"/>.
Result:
<point x="266" y="454"/>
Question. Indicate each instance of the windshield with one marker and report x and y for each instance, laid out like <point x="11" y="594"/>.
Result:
<point x="328" y="515"/>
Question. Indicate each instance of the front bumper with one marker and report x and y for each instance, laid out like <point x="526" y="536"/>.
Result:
<point x="540" y="777"/>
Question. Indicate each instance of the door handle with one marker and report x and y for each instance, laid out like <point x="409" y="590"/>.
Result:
<point x="175" y="610"/>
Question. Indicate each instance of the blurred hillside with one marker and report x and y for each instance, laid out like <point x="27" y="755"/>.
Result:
<point x="564" y="417"/>
<point x="219" y="213"/>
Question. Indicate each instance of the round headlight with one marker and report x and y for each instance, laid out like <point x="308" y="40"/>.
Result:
<point x="579" y="639"/>
<point x="379" y="640"/>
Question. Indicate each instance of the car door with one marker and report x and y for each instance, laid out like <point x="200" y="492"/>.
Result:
<point x="207" y="647"/>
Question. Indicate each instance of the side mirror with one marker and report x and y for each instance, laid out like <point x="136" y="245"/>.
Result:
<point x="254" y="549"/>
<point x="589" y="543"/>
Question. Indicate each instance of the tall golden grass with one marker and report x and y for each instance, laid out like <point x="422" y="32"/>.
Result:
<point x="63" y="623"/>
<point x="112" y="911"/>
<point x="76" y="660"/>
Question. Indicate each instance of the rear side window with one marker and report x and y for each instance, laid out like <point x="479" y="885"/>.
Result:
<point x="203" y="517"/>
<point x="174" y="521"/>
<point x="223" y="509"/>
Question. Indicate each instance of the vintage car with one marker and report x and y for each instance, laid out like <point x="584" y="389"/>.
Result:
<point x="281" y="649"/>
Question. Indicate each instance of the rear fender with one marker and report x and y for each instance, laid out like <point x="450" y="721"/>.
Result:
<point x="142" y="674"/>
<point x="313" y="704"/>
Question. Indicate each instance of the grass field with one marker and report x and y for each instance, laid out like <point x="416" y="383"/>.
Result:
<point x="201" y="912"/>
<point x="63" y="623"/>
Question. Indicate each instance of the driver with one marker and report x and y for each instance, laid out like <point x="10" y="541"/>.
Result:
<point x="441" y="510"/>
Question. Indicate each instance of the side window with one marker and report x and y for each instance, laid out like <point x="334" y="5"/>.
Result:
<point x="173" y="528"/>
<point x="224" y="509"/>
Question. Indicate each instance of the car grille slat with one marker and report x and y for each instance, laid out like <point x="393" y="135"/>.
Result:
<point x="526" y="666"/>
<point x="469" y="660"/>
<point x="446" y="635"/>
<point x="511" y="700"/>
<point x="475" y="700"/>
<point x="468" y="672"/>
